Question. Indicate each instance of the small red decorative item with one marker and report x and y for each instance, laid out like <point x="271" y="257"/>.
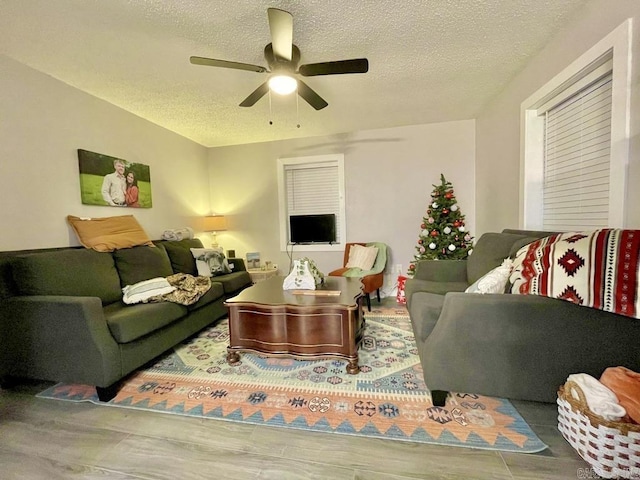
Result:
<point x="434" y="233"/>
<point x="423" y="226"/>
<point x="401" y="280"/>
<point x="445" y="211"/>
<point x="448" y="195"/>
<point x="419" y="241"/>
<point x="456" y="223"/>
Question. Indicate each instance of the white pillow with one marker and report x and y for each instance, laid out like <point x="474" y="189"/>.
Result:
<point x="141" y="291"/>
<point x="494" y="281"/>
<point x="210" y="261"/>
<point x="362" y="257"/>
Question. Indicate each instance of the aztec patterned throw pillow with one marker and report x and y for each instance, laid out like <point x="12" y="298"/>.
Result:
<point x="597" y="269"/>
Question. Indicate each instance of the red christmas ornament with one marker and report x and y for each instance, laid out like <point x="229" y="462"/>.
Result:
<point x="434" y="233"/>
<point x="423" y="226"/>
<point x="445" y="211"/>
<point x="420" y="241"/>
<point x="456" y="223"/>
<point x="412" y="267"/>
<point x="448" y="195"/>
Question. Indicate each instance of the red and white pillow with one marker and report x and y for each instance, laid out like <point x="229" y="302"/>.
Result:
<point x="597" y="269"/>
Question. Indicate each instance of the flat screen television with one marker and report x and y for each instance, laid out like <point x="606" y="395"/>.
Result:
<point x="312" y="228"/>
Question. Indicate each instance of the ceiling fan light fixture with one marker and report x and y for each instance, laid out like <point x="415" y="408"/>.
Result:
<point x="283" y="84"/>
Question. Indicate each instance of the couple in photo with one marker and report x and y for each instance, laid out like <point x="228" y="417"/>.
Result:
<point x="119" y="189"/>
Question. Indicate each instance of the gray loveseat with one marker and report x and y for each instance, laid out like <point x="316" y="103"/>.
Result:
<point x="507" y="345"/>
<point x="62" y="317"/>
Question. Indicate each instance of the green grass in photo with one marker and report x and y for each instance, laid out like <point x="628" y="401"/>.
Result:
<point x="91" y="186"/>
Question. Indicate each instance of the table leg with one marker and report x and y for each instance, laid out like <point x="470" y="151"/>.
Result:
<point x="232" y="357"/>
<point x="352" y="366"/>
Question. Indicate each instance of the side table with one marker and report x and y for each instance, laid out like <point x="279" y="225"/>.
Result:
<point x="259" y="275"/>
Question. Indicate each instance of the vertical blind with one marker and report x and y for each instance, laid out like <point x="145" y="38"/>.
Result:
<point x="313" y="189"/>
<point x="577" y="160"/>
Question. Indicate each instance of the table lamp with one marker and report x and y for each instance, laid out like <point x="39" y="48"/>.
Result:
<point x="215" y="224"/>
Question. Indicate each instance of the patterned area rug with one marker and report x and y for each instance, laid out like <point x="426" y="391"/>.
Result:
<point x="387" y="399"/>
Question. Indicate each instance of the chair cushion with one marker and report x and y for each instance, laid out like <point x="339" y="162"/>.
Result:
<point x="362" y="257"/>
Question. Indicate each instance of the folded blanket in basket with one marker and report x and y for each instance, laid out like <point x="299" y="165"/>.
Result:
<point x="625" y="384"/>
<point x="600" y="399"/>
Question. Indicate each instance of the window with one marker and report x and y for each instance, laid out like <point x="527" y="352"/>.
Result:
<point x="577" y="152"/>
<point x="576" y="137"/>
<point x="311" y="186"/>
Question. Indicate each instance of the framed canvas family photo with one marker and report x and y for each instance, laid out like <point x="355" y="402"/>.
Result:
<point x="112" y="181"/>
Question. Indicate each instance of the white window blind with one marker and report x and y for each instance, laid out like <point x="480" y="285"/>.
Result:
<point x="313" y="189"/>
<point x="577" y="152"/>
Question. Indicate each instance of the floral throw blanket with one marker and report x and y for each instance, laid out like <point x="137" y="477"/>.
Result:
<point x="188" y="289"/>
<point x="597" y="269"/>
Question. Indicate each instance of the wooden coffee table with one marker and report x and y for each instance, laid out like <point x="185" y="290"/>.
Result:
<point x="326" y="322"/>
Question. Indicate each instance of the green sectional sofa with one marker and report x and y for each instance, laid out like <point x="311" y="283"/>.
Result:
<point x="62" y="317"/>
<point x="508" y="345"/>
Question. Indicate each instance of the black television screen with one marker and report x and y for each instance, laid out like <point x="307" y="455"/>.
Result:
<point x="312" y="228"/>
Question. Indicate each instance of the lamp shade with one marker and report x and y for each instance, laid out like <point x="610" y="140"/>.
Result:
<point x="215" y="223"/>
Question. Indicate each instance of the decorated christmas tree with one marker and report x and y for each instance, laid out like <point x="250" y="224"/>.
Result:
<point x="443" y="234"/>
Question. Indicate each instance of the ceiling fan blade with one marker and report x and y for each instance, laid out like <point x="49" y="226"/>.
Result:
<point x="356" y="65"/>
<point x="281" y="27"/>
<point x="310" y="96"/>
<point x="212" y="62"/>
<point x="256" y="95"/>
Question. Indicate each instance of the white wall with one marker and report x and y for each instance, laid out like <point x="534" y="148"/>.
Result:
<point x="42" y="124"/>
<point x="389" y="179"/>
<point x="498" y="126"/>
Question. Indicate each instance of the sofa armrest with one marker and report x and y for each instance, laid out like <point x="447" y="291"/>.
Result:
<point x="523" y="346"/>
<point x="441" y="270"/>
<point x="59" y="338"/>
<point x="238" y="264"/>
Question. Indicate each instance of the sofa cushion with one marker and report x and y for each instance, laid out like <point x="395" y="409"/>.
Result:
<point x="179" y="252"/>
<point x="130" y="322"/>
<point x="232" y="282"/>
<point x="210" y="262"/>
<point x="597" y="269"/>
<point x="74" y="272"/>
<point x="489" y="252"/>
<point x="424" y="311"/>
<point x="439" y="288"/>
<point x="141" y="263"/>
<point x="215" y="292"/>
<point x="494" y="281"/>
<point x="109" y="233"/>
<point x="141" y="291"/>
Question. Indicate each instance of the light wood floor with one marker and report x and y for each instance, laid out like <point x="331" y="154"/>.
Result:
<point x="48" y="439"/>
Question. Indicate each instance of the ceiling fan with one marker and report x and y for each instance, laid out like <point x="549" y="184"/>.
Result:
<point x="282" y="57"/>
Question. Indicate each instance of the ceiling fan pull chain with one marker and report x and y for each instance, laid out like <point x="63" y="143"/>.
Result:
<point x="297" y="111"/>
<point x="270" y="112"/>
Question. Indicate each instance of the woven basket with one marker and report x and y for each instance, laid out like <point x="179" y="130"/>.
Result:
<point x="611" y="448"/>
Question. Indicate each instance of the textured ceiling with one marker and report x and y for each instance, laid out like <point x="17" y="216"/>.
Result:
<point x="429" y="60"/>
